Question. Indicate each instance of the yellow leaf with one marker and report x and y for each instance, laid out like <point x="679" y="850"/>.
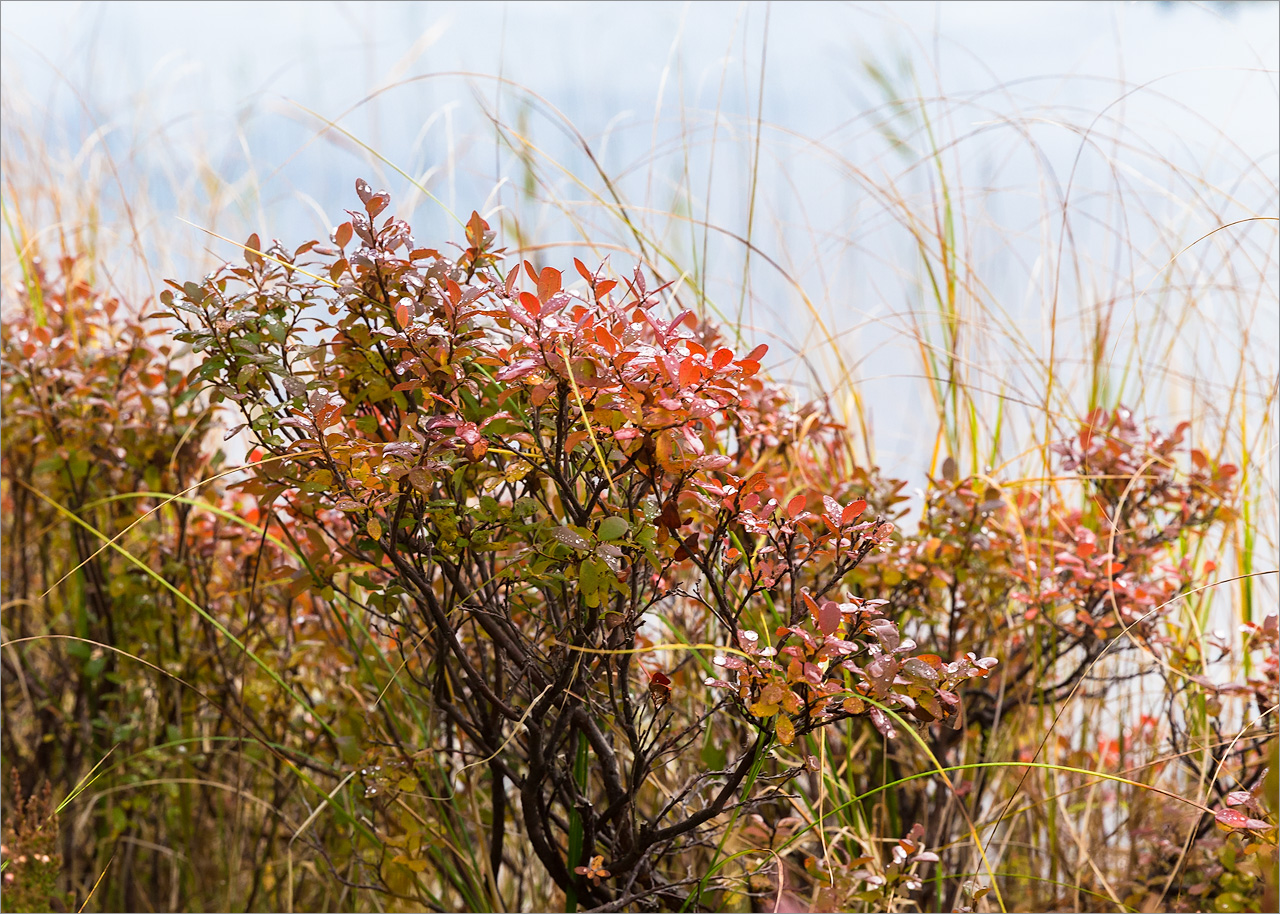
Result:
<point x="375" y="528"/>
<point x="786" y="731"/>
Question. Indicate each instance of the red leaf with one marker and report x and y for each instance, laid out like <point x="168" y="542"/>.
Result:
<point x="528" y="268"/>
<point x="851" y="513"/>
<point x="531" y="303"/>
<point x="689" y="372"/>
<point x="1231" y="818"/>
<point x="582" y="269"/>
<point x="796" y="505"/>
<point x="342" y="235"/>
<point x="548" y="283"/>
<point x="755" y="355"/>
<point x="722" y="358"/>
<point x="603" y="288"/>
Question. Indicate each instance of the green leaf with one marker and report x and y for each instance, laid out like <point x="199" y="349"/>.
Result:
<point x="589" y="582"/>
<point x="611" y="528"/>
<point x="571" y="538"/>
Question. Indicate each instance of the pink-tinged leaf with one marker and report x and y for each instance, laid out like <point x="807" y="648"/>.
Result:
<point x="519" y="315"/>
<point x="853" y="512"/>
<point x="829" y="617"/>
<point x="517" y="369"/>
<point x="402" y="314"/>
<point x="796" y="505"/>
<point x="712" y="462"/>
<point x="832" y="506"/>
<point x="886" y="633"/>
<point x="721" y="358"/>
<point x="1238" y="798"/>
<point x="882" y="723"/>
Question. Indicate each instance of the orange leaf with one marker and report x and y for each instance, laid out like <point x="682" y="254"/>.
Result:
<point x="813" y="607"/>
<point x="402" y="314"/>
<point x="605" y="339"/>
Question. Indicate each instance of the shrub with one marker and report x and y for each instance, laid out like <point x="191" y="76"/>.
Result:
<point x="135" y="593"/>
<point x="524" y="487"/>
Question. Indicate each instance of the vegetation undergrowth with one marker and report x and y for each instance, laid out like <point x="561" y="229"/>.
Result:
<point x="366" y="573"/>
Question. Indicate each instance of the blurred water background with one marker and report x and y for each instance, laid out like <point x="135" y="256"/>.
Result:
<point x="1034" y="189"/>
